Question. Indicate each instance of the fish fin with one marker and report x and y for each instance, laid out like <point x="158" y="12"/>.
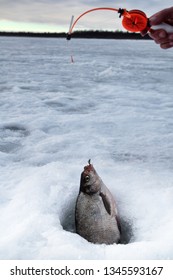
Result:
<point x="118" y="224"/>
<point x="106" y="203"/>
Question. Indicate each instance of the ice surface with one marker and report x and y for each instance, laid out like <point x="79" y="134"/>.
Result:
<point x="113" y="105"/>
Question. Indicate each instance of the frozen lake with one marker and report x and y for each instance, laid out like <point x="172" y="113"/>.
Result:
<point x="113" y="105"/>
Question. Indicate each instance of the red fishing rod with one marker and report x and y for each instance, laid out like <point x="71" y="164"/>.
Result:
<point x="133" y="20"/>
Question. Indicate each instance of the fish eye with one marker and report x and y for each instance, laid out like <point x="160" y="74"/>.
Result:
<point x="87" y="178"/>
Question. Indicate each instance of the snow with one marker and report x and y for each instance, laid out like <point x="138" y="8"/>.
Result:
<point x="114" y="105"/>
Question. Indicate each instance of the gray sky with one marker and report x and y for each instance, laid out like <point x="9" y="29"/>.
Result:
<point x="54" y="15"/>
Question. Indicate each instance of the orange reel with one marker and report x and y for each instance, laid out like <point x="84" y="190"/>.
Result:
<point x="134" y="20"/>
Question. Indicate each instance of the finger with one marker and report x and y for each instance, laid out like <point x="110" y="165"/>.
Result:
<point x="160" y="16"/>
<point x="169" y="21"/>
<point x="170" y="37"/>
<point x="159" y="34"/>
<point x="166" y="45"/>
<point x="144" y="32"/>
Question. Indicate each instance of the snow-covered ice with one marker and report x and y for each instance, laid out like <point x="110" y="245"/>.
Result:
<point x="113" y="105"/>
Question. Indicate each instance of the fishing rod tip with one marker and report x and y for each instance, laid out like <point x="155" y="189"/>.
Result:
<point x="68" y="36"/>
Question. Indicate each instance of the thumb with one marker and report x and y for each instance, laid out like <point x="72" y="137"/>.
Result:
<point x="161" y="16"/>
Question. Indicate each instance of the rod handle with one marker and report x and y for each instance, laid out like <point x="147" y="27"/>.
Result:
<point x="167" y="27"/>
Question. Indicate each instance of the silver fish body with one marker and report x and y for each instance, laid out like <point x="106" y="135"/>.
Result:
<point x="96" y="213"/>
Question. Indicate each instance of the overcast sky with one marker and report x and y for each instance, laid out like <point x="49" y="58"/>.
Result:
<point x="55" y="15"/>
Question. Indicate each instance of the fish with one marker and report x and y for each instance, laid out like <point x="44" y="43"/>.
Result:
<point x="96" y="214"/>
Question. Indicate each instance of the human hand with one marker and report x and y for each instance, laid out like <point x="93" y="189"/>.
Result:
<point x="160" y="36"/>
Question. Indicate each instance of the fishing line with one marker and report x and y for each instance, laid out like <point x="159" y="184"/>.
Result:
<point x="69" y="46"/>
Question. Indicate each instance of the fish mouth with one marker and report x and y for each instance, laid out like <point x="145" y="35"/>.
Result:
<point x="88" y="168"/>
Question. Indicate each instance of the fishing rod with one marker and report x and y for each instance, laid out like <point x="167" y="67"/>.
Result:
<point x="133" y="21"/>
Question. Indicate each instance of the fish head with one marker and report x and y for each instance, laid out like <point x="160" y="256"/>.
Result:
<point x="90" y="181"/>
